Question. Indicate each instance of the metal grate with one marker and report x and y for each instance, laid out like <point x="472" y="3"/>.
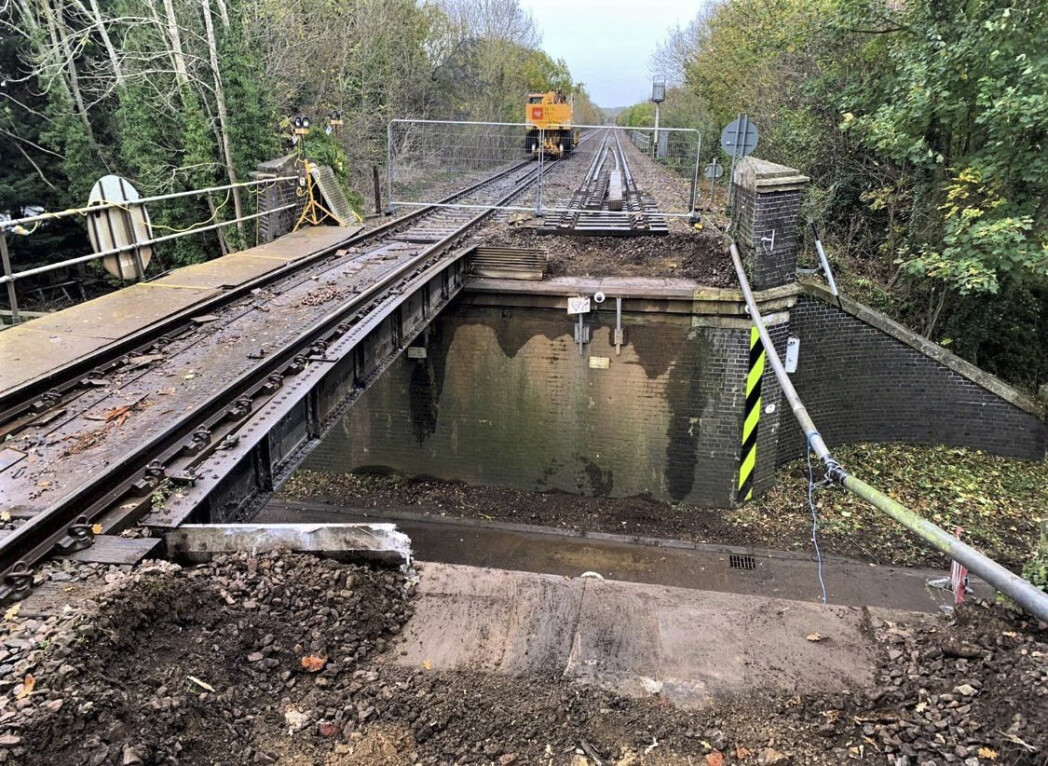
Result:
<point x="334" y="196"/>
<point x="509" y="262"/>
<point x="741" y="561"/>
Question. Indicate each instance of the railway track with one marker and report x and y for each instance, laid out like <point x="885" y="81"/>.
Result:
<point x="609" y="202"/>
<point x="105" y="434"/>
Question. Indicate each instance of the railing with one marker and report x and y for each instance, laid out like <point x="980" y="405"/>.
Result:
<point x="18" y="226"/>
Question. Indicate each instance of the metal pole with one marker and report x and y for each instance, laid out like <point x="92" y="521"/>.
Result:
<point x="389" y="165"/>
<point x="542" y="152"/>
<point x="655" y="143"/>
<point x="826" y="265"/>
<point x="695" y="175"/>
<point x="378" y="190"/>
<point x="1030" y="598"/>
<point x="739" y="128"/>
<point x="12" y="293"/>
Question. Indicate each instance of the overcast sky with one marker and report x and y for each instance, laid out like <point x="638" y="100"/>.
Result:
<point x="608" y="43"/>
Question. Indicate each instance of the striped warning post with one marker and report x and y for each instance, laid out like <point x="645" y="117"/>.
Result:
<point x="748" y="455"/>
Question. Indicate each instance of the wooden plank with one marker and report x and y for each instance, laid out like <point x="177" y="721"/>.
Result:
<point x="113" y="549"/>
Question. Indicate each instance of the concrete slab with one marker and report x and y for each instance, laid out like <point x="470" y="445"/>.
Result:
<point x="346" y="542"/>
<point x="653" y="561"/>
<point x="689" y="646"/>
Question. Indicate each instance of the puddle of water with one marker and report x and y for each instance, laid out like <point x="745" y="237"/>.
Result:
<point x="779" y="575"/>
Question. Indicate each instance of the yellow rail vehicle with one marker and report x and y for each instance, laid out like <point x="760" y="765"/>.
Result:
<point x="550" y="127"/>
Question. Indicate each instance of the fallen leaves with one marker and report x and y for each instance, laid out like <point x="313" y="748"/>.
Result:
<point x="313" y="664"/>
<point x="27" y="687"/>
<point x="987" y="753"/>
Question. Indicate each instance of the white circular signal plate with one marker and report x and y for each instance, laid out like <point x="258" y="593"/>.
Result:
<point x="119" y="227"/>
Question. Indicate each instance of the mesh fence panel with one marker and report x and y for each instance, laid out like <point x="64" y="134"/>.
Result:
<point x="430" y="160"/>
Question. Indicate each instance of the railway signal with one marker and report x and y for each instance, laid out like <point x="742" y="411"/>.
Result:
<point x="658" y="95"/>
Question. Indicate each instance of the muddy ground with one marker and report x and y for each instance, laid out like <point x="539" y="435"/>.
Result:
<point x="286" y="659"/>
<point x="950" y="486"/>
<point x="699" y="255"/>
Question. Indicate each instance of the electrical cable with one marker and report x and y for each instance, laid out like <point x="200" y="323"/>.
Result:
<point x="814" y="516"/>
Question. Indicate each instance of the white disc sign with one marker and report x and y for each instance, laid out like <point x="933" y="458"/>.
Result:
<point x="740" y="137"/>
<point x="120" y="227"/>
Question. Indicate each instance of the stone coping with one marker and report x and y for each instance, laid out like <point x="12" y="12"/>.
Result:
<point x="763" y="176"/>
<point x="927" y="347"/>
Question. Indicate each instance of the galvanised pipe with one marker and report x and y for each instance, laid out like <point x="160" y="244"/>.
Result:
<point x="1023" y="593"/>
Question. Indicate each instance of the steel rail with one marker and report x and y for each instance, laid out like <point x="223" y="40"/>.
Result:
<point x="36" y="538"/>
<point x="24" y="397"/>
<point x="1022" y="592"/>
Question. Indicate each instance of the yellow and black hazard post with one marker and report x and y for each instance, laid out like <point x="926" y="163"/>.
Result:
<point x="748" y="455"/>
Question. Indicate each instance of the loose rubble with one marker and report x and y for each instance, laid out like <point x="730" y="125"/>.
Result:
<point x="286" y="658"/>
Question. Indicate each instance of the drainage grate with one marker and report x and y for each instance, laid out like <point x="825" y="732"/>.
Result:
<point x="741" y="561"/>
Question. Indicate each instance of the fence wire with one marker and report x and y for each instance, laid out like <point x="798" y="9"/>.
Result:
<point x="429" y="160"/>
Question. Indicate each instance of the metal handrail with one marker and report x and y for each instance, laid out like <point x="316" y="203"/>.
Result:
<point x="10" y="224"/>
<point x="125" y="248"/>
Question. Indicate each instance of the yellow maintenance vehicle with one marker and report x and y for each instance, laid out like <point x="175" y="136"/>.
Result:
<point x="551" y="131"/>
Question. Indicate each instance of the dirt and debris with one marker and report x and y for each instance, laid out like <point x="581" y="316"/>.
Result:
<point x="322" y="295"/>
<point x="206" y="665"/>
<point x="700" y="255"/>
<point x="443" y="499"/>
<point x="285" y="658"/>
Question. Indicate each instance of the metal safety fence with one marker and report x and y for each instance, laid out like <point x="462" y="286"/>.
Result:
<point x="429" y="159"/>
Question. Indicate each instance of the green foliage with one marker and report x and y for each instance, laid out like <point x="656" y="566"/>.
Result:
<point x="962" y="101"/>
<point x="1036" y="568"/>
<point x="923" y="126"/>
<point x="324" y="149"/>
<point x="998" y="502"/>
<point x="637" y="116"/>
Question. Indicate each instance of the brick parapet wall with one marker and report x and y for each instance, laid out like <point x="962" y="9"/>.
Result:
<point x="862" y="383"/>
<point x="767" y="205"/>
<point x="504" y="398"/>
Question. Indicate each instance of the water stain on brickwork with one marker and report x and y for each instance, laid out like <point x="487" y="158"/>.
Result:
<point x="686" y="398"/>
<point x="426" y="383"/>
<point x="601" y="480"/>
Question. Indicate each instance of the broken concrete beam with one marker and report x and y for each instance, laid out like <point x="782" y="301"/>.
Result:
<point x="346" y="542"/>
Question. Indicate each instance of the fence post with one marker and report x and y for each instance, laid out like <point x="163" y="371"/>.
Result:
<point x="12" y="293"/>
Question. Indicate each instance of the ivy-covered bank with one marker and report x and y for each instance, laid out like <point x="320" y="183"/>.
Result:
<point x="924" y="126"/>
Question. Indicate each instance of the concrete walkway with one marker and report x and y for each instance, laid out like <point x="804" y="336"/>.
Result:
<point x="687" y="645"/>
